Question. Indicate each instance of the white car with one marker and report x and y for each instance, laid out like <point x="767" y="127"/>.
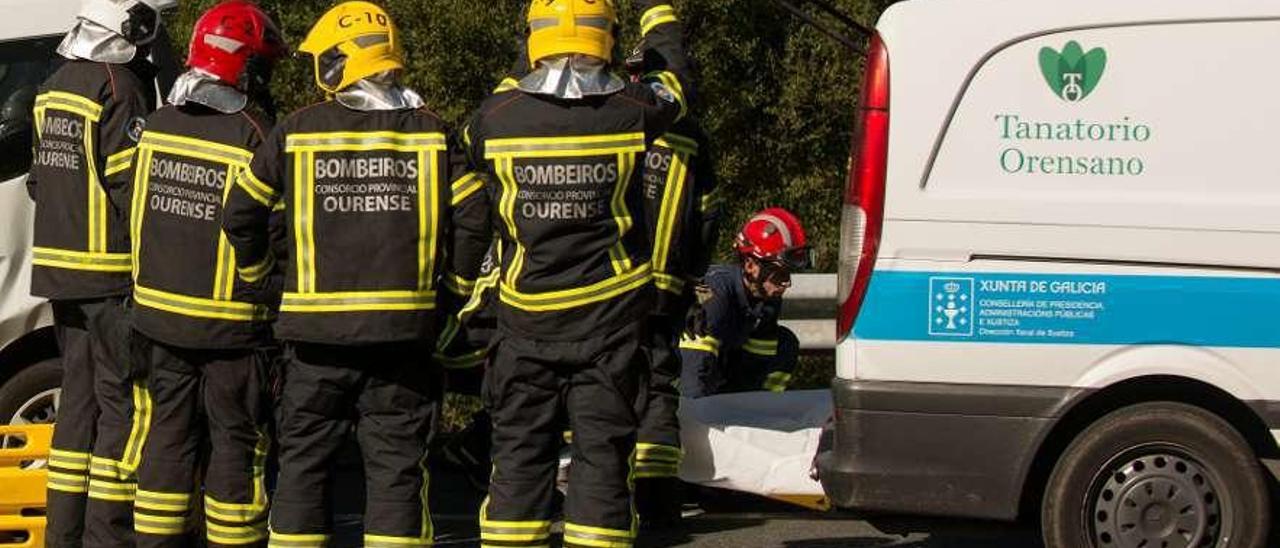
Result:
<point x="30" y="373"/>
<point x="1060" y="274"/>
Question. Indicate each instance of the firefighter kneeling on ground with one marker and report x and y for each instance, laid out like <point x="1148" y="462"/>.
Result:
<point x="564" y="153"/>
<point x="88" y="118"/>
<point x="365" y="180"/>
<point x="734" y="342"/>
<point x="202" y="328"/>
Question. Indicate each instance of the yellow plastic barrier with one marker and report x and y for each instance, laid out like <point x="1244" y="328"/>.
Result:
<point x="22" y="491"/>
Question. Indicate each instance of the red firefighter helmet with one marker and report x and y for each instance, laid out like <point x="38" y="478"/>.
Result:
<point x="231" y="38"/>
<point x="775" y="236"/>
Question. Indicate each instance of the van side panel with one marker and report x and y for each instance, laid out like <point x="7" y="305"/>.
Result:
<point x="1088" y="198"/>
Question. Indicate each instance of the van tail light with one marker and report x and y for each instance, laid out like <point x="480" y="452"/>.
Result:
<point x="863" y="215"/>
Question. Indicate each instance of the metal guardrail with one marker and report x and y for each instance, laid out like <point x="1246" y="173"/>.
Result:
<point x="809" y="310"/>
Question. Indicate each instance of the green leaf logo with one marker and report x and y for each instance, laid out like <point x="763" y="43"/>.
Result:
<point x="1072" y="74"/>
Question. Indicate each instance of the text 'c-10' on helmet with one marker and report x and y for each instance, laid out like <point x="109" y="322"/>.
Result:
<point x="559" y="27"/>
<point x="234" y="39"/>
<point x="351" y="42"/>
<point x="138" y="21"/>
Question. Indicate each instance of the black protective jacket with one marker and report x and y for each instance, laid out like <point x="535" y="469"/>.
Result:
<point x="187" y="289"/>
<point x="367" y="199"/>
<point x="89" y="117"/>
<point x="564" y="189"/>
<point x="683" y="210"/>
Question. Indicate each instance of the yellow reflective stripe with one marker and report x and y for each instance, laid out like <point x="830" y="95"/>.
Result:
<point x="364" y="141"/>
<point x="618" y="254"/>
<point x="506" y="85"/>
<point x="97" y="196"/>
<point x="668" y="283"/>
<point x="486" y="283"/>
<point x="72" y="466"/>
<point x="672" y="195"/>
<point x="67" y="483"/>
<point x="506" y="209"/>
<point x="148" y="519"/>
<point x="70" y="455"/>
<point x="710" y="201"/>
<point x="678" y="143"/>
<point x="304" y="221"/>
<point x="428" y="221"/>
<point x="669" y="81"/>
<point x="599" y="537"/>
<point x="284" y="540"/>
<point x="571" y="298"/>
<point x="233" y="513"/>
<point x="358" y="301"/>
<point x="465" y="361"/>
<point x="459" y="285"/>
<point x="166" y="502"/>
<point x="254" y="272"/>
<point x="120" y="161"/>
<point x="109" y="469"/>
<point x="561" y="147"/>
<point x="82" y="260"/>
<point x="466" y="186"/>
<point x="531" y="531"/>
<point x="777" y="381"/>
<point x="76" y="479"/>
<point x="708" y="344"/>
<point x="657" y="15"/>
<point x="38" y="120"/>
<point x="110" y="490"/>
<point x="235" y="535"/>
<point x="657" y="470"/>
<point x="224" y="272"/>
<point x="256" y="189"/>
<point x="761" y="347"/>
<point x="196" y="148"/>
<point x="382" y="541"/>
<point x="141" y="184"/>
<point x="197" y="307"/>
<point x="141" y="426"/>
<point x="657" y="452"/>
<point x="66" y="101"/>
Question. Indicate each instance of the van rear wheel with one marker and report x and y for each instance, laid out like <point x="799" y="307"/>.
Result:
<point x="1157" y="475"/>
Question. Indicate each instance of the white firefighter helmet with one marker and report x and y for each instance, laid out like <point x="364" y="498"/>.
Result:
<point x="138" y="21"/>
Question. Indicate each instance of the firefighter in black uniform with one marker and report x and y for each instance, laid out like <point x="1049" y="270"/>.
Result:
<point x="365" y="179"/>
<point x="565" y="155"/>
<point x="89" y="116"/>
<point x="202" y="327"/>
<point x="734" y="343"/>
<point x="683" y="211"/>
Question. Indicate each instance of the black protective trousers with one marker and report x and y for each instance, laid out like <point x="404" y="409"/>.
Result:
<point x="600" y="383"/>
<point x="390" y="393"/>
<point x="214" y="400"/>
<point x="658" y="454"/>
<point x="101" y="426"/>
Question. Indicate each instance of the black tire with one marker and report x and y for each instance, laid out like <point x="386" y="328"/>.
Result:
<point x="1168" y="473"/>
<point x="26" y="384"/>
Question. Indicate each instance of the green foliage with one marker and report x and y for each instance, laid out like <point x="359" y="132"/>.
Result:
<point x="776" y="96"/>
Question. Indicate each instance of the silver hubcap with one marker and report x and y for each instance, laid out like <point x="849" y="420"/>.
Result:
<point x="1158" y="500"/>
<point x="39" y="409"/>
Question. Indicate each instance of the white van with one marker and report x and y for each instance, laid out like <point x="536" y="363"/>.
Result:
<point x="30" y="373"/>
<point x="1060" y="270"/>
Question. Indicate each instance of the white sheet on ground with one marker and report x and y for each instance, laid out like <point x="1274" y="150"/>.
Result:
<point x="758" y="442"/>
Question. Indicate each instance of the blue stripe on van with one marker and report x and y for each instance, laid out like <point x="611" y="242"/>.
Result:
<point x="1071" y="309"/>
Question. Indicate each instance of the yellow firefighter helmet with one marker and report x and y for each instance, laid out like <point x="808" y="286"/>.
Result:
<point x="559" y="27"/>
<point x="353" y="41"/>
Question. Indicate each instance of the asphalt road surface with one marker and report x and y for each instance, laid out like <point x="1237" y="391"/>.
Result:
<point x="729" y="520"/>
